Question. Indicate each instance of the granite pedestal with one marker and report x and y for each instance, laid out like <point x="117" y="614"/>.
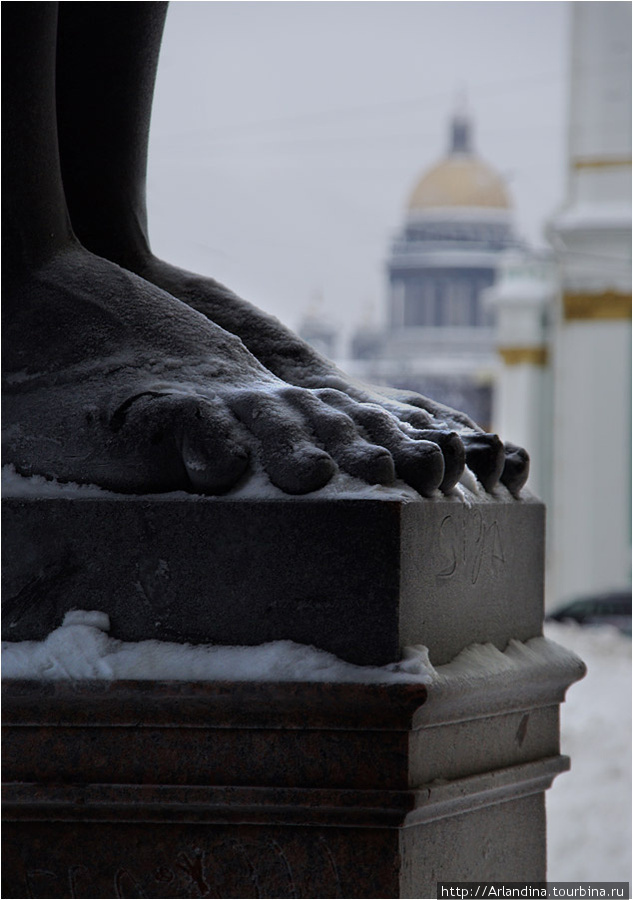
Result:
<point x="360" y="578"/>
<point x="237" y="789"/>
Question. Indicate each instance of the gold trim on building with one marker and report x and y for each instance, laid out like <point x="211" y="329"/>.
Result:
<point x="601" y="162"/>
<point x="515" y="356"/>
<point x="608" y="305"/>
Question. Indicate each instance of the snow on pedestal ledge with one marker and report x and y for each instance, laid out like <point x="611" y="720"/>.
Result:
<point x="82" y="649"/>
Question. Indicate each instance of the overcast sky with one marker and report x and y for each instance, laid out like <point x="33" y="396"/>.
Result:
<point x="286" y="136"/>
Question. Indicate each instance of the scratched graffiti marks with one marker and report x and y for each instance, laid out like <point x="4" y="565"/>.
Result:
<point x="466" y="546"/>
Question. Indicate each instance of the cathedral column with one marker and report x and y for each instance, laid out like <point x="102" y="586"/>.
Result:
<point x="522" y="295"/>
<point x="592" y="239"/>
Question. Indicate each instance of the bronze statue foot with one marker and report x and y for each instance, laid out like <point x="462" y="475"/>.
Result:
<point x="403" y="412"/>
<point x="112" y="381"/>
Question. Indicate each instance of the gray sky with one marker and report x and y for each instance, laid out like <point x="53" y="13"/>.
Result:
<point x="286" y="136"/>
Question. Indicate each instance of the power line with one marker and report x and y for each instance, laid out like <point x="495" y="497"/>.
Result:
<point x="208" y="144"/>
<point x="487" y="89"/>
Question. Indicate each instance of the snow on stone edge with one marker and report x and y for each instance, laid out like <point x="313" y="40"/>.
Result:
<point x="82" y="649"/>
<point x="256" y="487"/>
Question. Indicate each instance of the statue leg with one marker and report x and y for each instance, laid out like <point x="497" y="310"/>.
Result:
<point x="34" y="216"/>
<point x="109" y="379"/>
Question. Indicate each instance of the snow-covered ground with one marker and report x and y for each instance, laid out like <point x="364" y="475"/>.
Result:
<point x="589" y="808"/>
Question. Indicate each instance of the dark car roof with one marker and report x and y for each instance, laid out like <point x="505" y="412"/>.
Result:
<point x="610" y="602"/>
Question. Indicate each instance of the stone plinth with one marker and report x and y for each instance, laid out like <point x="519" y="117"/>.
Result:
<point x="146" y="789"/>
<point x="237" y="789"/>
<point x="360" y="578"/>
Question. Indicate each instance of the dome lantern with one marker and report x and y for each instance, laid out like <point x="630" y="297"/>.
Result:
<point x="461" y="135"/>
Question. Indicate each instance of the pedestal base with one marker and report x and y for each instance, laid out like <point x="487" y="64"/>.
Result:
<point x="282" y="790"/>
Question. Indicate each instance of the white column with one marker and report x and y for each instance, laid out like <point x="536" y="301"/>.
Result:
<point x="524" y="290"/>
<point x="590" y="518"/>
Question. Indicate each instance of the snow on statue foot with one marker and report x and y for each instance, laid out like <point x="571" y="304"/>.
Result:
<point x="112" y="381"/>
<point x="290" y="358"/>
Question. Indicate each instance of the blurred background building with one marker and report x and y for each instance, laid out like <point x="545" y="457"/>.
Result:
<point x="439" y="336"/>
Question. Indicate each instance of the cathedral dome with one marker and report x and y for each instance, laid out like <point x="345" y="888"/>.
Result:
<point x="460" y="180"/>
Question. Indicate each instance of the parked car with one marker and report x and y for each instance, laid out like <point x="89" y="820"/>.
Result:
<point x="602" y="609"/>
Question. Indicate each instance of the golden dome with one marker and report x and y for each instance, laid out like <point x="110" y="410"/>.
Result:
<point x="459" y="180"/>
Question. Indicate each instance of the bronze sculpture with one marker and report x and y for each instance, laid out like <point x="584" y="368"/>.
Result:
<point x="126" y="372"/>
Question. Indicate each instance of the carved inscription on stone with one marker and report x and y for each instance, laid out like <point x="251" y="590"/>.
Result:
<point x="466" y="546"/>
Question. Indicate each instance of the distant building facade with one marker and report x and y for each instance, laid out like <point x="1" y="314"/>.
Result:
<point x="440" y="334"/>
